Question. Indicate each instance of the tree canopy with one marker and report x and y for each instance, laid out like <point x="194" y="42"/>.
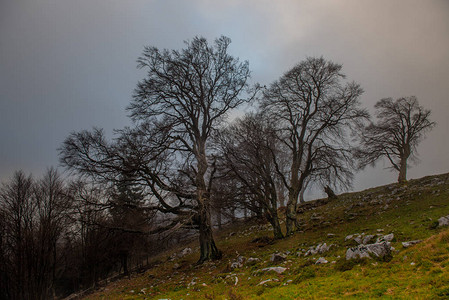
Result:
<point x="401" y="125"/>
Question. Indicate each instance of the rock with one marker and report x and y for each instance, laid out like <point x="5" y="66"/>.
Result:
<point x="237" y="263"/>
<point x="277" y="257"/>
<point x="278" y="270"/>
<point x="320" y="248"/>
<point x="389" y="237"/>
<point x="379" y="250"/>
<point x="323" y="248"/>
<point x="410" y="243"/>
<point x="263" y="282"/>
<point x="358" y="239"/>
<point x="176" y="266"/>
<point x="321" y="260"/>
<point x="185" y="251"/>
<point x="367" y="239"/>
<point x="349" y="237"/>
<point x="353" y="253"/>
<point x="252" y="260"/>
<point x="443" y="221"/>
<point x="385" y="238"/>
<point x="330" y="235"/>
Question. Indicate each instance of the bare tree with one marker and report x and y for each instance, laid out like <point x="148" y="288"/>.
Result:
<point x="35" y="217"/>
<point x="315" y="113"/>
<point x="18" y="212"/>
<point x="91" y="241"/>
<point x="184" y="97"/>
<point x="401" y="126"/>
<point x="52" y="205"/>
<point x="247" y="149"/>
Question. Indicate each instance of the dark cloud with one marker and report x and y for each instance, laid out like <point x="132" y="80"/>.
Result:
<point x="70" y="65"/>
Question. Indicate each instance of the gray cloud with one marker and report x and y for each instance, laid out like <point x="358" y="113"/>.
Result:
<point x="70" y="65"/>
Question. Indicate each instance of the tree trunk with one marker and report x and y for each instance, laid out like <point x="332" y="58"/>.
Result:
<point x="405" y="153"/>
<point x="125" y="264"/>
<point x="207" y="244"/>
<point x="290" y="214"/>
<point x="208" y="248"/>
<point x="281" y="195"/>
<point x="330" y="193"/>
<point x="274" y="221"/>
<point x="402" y="170"/>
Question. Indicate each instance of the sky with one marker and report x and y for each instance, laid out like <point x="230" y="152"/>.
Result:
<point x="70" y="65"/>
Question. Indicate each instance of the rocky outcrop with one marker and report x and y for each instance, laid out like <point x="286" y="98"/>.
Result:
<point x="378" y="250"/>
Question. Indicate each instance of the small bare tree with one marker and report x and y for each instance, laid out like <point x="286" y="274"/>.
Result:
<point x="400" y="126"/>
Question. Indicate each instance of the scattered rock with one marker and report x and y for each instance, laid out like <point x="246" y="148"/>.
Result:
<point x="277" y="257"/>
<point x="237" y="263"/>
<point x="379" y="250"/>
<point x="410" y="243"/>
<point x="321" y="260"/>
<point x="385" y="238"/>
<point x="318" y="249"/>
<point x="265" y="281"/>
<point x="278" y="270"/>
<point x="349" y="237"/>
<point x="185" y="251"/>
<point x="315" y="217"/>
<point x="252" y="261"/>
<point x="443" y="221"/>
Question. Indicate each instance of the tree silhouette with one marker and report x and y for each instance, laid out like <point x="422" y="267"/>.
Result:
<point x="400" y="126"/>
<point x="314" y="113"/>
<point x="184" y="97"/>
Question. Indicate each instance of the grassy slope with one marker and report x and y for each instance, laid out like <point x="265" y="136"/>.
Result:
<point x="410" y="212"/>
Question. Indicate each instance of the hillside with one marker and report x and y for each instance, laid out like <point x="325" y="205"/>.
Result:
<point x="410" y="212"/>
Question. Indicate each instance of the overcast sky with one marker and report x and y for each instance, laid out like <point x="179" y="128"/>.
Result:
<point x="70" y="65"/>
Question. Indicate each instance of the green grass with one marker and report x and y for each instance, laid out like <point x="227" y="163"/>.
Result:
<point x="419" y="272"/>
